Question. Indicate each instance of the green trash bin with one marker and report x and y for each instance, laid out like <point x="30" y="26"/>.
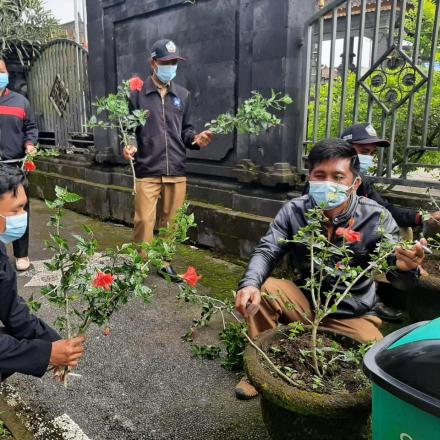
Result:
<point x="405" y="370"/>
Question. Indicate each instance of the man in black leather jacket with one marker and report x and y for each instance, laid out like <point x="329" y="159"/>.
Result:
<point x="330" y="162"/>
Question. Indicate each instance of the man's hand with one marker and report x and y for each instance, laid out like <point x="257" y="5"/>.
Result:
<point x="203" y="139"/>
<point x="30" y="149"/>
<point x="410" y="259"/>
<point x="129" y="152"/>
<point x="247" y="301"/>
<point x="66" y="352"/>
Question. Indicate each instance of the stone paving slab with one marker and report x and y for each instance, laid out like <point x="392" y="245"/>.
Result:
<point x="141" y="382"/>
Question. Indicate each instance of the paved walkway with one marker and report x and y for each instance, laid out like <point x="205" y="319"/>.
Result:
<point x="141" y="382"/>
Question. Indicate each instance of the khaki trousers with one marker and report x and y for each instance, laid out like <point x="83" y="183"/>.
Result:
<point x="278" y="309"/>
<point x="156" y="195"/>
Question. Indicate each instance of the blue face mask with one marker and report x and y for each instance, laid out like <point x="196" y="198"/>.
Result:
<point x="15" y="227"/>
<point x="366" y="162"/>
<point x="166" y="73"/>
<point x="328" y="195"/>
<point x="4" y="80"/>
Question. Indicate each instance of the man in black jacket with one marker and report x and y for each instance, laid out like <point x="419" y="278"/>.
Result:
<point x="27" y="344"/>
<point x="332" y="164"/>
<point x="160" y="153"/>
<point x="18" y="137"/>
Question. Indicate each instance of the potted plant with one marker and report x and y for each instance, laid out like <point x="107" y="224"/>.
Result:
<point x="310" y="377"/>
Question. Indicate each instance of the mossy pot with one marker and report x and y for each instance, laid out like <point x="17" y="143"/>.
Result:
<point x="291" y="413"/>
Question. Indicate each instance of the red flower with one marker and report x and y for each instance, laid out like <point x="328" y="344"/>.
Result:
<point x="136" y="84"/>
<point x="106" y="331"/>
<point x="349" y="235"/>
<point x="339" y="266"/>
<point x="191" y="277"/>
<point x="104" y="280"/>
<point x="29" y="166"/>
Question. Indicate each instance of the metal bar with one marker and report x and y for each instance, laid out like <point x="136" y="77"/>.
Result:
<point x="407" y="182"/>
<point x="75" y="10"/>
<point x="359" y="62"/>
<point x="318" y="79"/>
<point x="380" y="153"/>
<point x="431" y="74"/>
<point x="403" y="6"/>
<point x="374" y="52"/>
<point x="391" y="147"/>
<point x="328" y="124"/>
<point x="411" y="98"/>
<point x="392" y="23"/>
<point x="427" y="165"/>
<point x="325" y="10"/>
<point x="307" y="93"/>
<point x="345" y="72"/>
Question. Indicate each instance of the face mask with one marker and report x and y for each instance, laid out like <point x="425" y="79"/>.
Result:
<point x="366" y="162"/>
<point x="15" y="227"/>
<point x="329" y="195"/>
<point x="4" y="80"/>
<point x="166" y="73"/>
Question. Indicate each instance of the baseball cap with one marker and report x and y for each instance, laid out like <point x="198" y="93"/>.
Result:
<point x="165" y="50"/>
<point x="363" y="134"/>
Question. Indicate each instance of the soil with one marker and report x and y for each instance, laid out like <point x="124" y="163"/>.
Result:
<point x="432" y="265"/>
<point x="341" y="375"/>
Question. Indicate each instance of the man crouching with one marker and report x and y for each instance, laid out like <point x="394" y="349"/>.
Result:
<point x="334" y="176"/>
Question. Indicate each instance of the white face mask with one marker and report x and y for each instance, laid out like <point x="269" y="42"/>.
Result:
<point x="366" y="162"/>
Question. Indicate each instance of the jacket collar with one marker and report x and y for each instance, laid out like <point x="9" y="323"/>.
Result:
<point x="7" y="92"/>
<point x="150" y="87"/>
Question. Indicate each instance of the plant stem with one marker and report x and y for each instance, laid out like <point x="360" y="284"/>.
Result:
<point x="273" y="366"/>
<point x="314" y="346"/>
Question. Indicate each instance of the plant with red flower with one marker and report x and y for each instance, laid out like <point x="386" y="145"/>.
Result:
<point x="191" y="277"/>
<point x="136" y="84"/>
<point x="29" y="166"/>
<point x="349" y="235"/>
<point x="103" y="280"/>
<point x="106" y="331"/>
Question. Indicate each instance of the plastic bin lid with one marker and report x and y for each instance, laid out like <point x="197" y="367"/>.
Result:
<point x="406" y="364"/>
<point x="429" y="331"/>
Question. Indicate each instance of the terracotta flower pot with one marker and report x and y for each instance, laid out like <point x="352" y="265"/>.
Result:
<point x="291" y="413"/>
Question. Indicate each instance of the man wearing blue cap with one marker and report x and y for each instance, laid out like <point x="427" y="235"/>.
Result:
<point x="160" y="154"/>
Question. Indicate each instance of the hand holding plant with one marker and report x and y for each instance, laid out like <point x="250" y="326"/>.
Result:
<point x="113" y="113"/>
<point x="253" y="117"/>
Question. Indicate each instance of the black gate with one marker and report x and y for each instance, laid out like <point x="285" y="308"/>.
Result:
<point x="376" y="61"/>
<point x="58" y="89"/>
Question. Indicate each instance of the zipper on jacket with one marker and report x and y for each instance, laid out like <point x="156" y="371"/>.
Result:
<point x="165" y="132"/>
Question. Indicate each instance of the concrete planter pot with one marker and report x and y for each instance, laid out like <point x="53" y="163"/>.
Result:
<point x="423" y="302"/>
<point x="290" y="413"/>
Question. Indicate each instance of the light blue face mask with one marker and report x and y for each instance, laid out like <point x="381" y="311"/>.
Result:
<point x="4" y="80"/>
<point x="15" y="227"/>
<point x="327" y="194"/>
<point x="166" y="73"/>
<point x="366" y="162"/>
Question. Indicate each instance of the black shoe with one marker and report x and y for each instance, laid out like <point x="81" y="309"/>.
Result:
<point x="169" y="274"/>
<point x="387" y="313"/>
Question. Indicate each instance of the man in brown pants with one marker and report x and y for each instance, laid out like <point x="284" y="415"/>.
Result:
<point x="160" y="153"/>
<point x="334" y="177"/>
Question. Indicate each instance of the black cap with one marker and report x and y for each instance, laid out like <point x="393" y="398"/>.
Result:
<point x="165" y="50"/>
<point x="364" y="134"/>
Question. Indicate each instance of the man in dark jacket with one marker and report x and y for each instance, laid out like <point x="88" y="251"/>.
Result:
<point x="160" y="153"/>
<point x="18" y="137"/>
<point x="334" y="166"/>
<point x="27" y="344"/>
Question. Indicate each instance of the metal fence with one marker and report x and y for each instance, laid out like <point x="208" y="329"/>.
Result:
<point x="387" y="75"/>
<point x="58" y="89"/>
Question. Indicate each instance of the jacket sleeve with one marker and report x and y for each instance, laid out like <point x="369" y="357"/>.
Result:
<point x="404" y="217"/>
<point x="399" y="279"/>
<point x="269" y="251"/>
<point x="188" y="131"/>
<point x="27" y="344"/>
<point x="30" y="129"/>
